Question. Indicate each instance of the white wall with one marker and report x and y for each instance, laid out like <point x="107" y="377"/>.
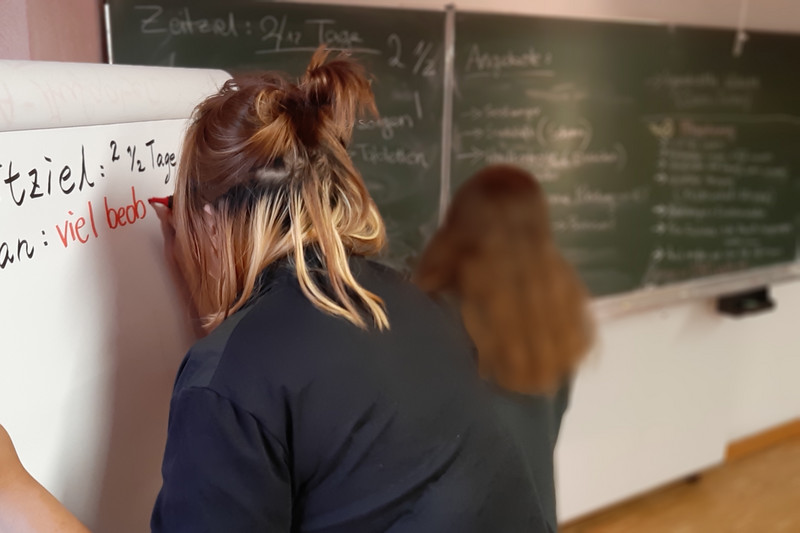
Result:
<point x="767" y="355"/>
<point x="667" y="389"/>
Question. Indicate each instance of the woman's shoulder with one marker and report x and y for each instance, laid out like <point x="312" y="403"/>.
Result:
<point x="271" y="339"/>
<point x="251" y="359"/>
<point x="201" y="364"/>
<point x="281" y="340"/>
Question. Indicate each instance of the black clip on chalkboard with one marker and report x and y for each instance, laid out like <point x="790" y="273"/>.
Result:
<point x="746" y="303"/>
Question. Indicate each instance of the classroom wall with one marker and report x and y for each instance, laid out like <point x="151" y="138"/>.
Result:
<point x="51" y="31"/>
<point x="767" y="355"/>
<point x="65" y="31"/>
<point x="666" y="391"/>
<point x="14" y="30"/>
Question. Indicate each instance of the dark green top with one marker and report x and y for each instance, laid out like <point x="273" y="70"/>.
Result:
<point x="534" y="422"/>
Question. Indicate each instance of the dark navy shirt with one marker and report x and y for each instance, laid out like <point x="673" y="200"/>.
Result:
<point x="287" y="419"/>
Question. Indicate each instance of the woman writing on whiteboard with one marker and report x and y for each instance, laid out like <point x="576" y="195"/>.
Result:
<point x="521" y="303"/>
<point x="329" y="395"/>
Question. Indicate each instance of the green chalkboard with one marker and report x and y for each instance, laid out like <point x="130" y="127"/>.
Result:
<point x="665" y="155"/>
<point x="668" y="153"/>
<point x="399" y="155"/>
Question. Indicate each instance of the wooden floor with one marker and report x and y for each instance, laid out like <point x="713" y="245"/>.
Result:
<point x="755" y="494"/>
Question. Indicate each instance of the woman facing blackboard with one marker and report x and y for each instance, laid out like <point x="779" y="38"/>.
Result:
<point x="521" y="303"/>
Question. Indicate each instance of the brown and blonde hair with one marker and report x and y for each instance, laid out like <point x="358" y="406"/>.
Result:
<point x="269" y="157"/>
<point x="521" y="302"/>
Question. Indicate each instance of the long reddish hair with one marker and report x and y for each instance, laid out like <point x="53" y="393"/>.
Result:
<point x="521" y="302"/>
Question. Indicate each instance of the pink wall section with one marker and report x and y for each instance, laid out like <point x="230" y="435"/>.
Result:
<point x="14" y="30"/>
<point x="66" y="30"/>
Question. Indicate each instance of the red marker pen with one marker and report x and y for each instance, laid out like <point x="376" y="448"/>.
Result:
<point x="166" y="200"/>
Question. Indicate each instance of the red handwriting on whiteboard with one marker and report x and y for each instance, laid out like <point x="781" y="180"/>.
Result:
<point x="127" y="214"/>
<point x="75" y="229"/>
